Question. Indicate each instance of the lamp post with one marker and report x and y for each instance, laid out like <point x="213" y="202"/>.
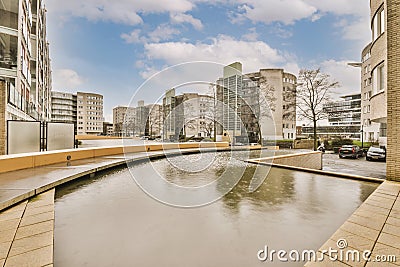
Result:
<point x="362" y="136"/>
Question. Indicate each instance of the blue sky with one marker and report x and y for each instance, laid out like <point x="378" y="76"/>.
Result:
<point x="112" y="47"/>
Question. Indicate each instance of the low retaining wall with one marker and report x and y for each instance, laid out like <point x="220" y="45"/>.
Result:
<point x="309" y="160"/>
<point x="30" y="160"/>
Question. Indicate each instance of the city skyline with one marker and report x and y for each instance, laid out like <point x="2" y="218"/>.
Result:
<point x="94" y="41"/>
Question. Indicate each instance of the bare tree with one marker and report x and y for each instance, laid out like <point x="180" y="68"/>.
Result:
<point x="313" y="90"/>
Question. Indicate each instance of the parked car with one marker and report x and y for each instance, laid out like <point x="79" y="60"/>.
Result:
<point x="350" y="151"/>
<point x="376" y="153"/>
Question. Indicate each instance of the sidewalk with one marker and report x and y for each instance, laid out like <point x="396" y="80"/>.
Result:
<point x="374" y="226"/>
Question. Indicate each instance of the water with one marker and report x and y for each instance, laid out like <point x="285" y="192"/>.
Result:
<point x="110" y="221"/>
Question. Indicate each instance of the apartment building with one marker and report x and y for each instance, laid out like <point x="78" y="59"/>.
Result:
<point x="25" y="67"/>
<point x="374" y="77"/>
<point x="64" y="108"/>
<point x="89" y="113"/>
<point x="108" y="129"/>
<point x="124" y="121"/>
<point x="256" y="106"/>
<point x="369" y="129"/>
<point x="229" y="101"/>
<point x="278" y="90"/>
<point x="154" y="123"/>
<point x="187" y="115"/>
<point x="344" y="118"/>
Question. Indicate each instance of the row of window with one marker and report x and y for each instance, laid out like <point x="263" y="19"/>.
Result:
<point x="91" y="128"/>
<point x="367" y="95"/>
<point x="287" y="80"/>
<point x="367" y="122"/>
<point x="90" y="123"/>
<point x="367" y="82"/>
<point x="366" y="57"/>
<point x="287" y="125"/>
<point x="289" y="136"/>
<point x="367" y="69"/>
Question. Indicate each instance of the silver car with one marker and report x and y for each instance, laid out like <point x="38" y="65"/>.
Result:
<point x="376" y="153"/>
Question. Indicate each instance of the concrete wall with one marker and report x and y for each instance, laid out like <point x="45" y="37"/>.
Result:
<point x="31" y="160"/>
<point x="308" y="160"/>
<point x="303" y="144"/>
<point x="393" y="91"/>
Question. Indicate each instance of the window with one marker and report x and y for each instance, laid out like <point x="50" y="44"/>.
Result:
<point x="378" y="76"/>
<point x="381" y="76"/>
<point x="383" y="130"/>
<point x="378" y="24"/>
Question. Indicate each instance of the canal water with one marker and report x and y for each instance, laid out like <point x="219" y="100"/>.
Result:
<point x="110" y="221"/>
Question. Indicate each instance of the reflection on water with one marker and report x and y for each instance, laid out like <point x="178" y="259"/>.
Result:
<point x="109" y="221"/>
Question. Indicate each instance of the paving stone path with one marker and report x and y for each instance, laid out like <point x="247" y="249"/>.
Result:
<point x="27" y="233"/>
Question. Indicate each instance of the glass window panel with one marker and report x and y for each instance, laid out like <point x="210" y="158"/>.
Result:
<point x="375" y="28"/>
<point x="8" y="51"/>
<point x="9" y="14"/>
<point x="23" y="137"/>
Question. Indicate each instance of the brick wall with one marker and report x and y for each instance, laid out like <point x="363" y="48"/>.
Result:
<point x="393" y="91"/>
<point x="3" y="129"/>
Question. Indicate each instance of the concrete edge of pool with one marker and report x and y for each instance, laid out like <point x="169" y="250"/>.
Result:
<point x="39" y="232"/>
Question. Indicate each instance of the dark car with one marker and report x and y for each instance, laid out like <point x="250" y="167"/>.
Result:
<point x="350" y="151"/>
<point x="376" y="153"/>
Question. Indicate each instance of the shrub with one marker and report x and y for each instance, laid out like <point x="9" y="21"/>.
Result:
<point x="341" y="142"/>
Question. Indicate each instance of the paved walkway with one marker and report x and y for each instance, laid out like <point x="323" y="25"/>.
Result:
<point x="27" y="231"/>
<point x="374" y="226"/>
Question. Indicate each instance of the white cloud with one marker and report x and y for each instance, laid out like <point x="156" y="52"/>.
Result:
<point x="251" y="36"/>
<point x="341" y="7"/>
<point x="290" y="11"/>
<point x="356" y="30"/>
<point x="133" y="37"/>
<point x="163" y="32"/>
<point x="267" y="11"/>
<point x="66" y="80"/>
<point x="185" y="18"/>
<point x="224" y="50"/>
<point x="348" y="77"/>
<point x="119" y="11"/>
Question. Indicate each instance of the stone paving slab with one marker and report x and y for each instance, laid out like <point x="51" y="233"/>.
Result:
<point x="27" y="232"/>
<point x="374" y="226"/>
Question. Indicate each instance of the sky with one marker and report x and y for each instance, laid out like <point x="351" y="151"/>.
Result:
<point x="117" y="48"/>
